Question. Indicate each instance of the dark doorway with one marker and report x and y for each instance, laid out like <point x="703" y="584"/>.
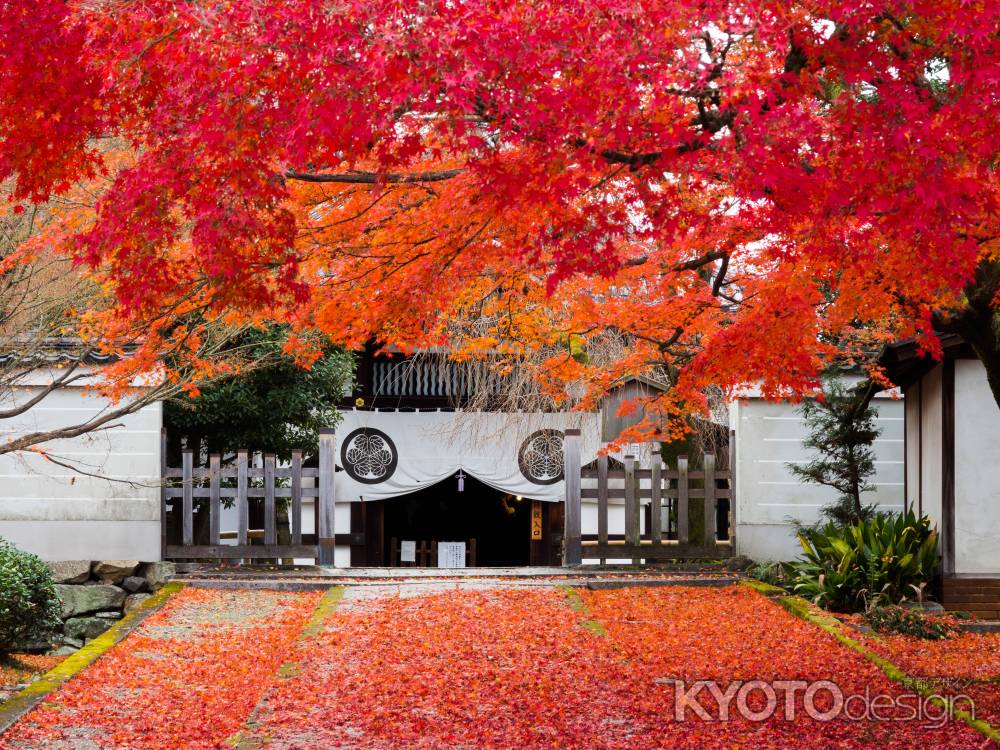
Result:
<point x="500" y="523"/>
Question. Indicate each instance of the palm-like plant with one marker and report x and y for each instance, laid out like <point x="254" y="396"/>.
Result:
<point x="886" y="559"/>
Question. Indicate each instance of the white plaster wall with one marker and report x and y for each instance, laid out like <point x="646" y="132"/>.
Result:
<point x="977" y="472"/>
<point x="62" y="514"/>
<point x="768" y="437"/>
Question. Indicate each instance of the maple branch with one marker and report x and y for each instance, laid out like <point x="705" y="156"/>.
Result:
<point x="63" y="379"/>
<point x="372" y="178"/>
<point x="703" y="260"/>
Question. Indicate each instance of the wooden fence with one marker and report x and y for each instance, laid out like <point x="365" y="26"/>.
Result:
<point x="673" y="489"/>
<point x="215" y="482"/>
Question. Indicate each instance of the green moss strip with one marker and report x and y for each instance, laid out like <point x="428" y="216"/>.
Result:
<point x="18" y="705"/>
<point x="323" y="610"/>
<point x="246" y="739"/>
<point x="806" y="611"/>
<point x="760" y="587"/>
<point x="577" y="604"/>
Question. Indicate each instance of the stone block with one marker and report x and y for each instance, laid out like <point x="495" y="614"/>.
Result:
<point x="134" y="600"/>
<point x="158" y="573"/>
<point x="114" y="571"/>
<point x="134" y="584"/>
<point x="85" y="628"/>
<point x="70" y="571"/>
<point x="81" y="600"/>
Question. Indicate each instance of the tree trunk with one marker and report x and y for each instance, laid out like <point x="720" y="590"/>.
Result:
<point x="979" y="321"/>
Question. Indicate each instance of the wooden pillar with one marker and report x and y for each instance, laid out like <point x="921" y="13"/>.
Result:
<point x="215" y="499"/>
<point x="656" y="495"/>
<point x="296" y="497"/>
<point x="572" y="536"/>
<point x="682" y="500"/>
<point x="242" y="507"/>
<point x="602" y="503"/>
<point x="948" y="466"/>
<point x="163" y="493"/>
<point x="327" y="496"/>
<point x="632" y="507"/>
<point x="187" y="501"/>
<point x="710" y="540"/>
<point x="270" y="512"/>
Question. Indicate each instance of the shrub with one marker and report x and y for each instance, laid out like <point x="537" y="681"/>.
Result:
<point x="886" y="559"/>
<point x="29" y="607"/>
<point x="766" y="571"/>
<point x="912" y="622"/>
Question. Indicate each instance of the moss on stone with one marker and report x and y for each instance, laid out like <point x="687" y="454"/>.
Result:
<point x="802" y="609"/>
<point x="33" y="694"/>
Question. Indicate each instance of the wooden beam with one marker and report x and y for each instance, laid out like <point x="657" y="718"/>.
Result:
<point x="666" y="551"/>
<point x="246" y="551"/>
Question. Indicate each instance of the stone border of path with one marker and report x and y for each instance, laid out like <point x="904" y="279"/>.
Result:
<point x="588" y="583"/>
<point x="21" y="703"/>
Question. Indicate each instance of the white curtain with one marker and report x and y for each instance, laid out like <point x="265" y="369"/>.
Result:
<point x="390" y="453"/>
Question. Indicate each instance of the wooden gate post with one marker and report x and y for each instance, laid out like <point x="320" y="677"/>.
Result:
<point x="327" y="496"/>
<point x="572" y="538"/>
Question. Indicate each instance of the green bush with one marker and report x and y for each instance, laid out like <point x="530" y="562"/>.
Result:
<point x="886" y="559"/>
<point x="29" y="607"/>
<point x="912" y="622"/>
<point x="769" y="572"/>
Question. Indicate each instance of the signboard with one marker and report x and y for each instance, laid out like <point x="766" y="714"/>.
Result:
<point x="451" y="554"/>
<point x="408" y="552"/>
<point x="536" y="521"/>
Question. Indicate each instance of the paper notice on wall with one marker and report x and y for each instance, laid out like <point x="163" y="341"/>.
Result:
<point x="451" y="554"/>
<point x="408" y="552"/>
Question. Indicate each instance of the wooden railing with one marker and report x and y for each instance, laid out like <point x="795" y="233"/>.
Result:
<point x="656" y="487"/>
<point x="207" y="483"/>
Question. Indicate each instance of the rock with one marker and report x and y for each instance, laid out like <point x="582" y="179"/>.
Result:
<point x="81" y="600"/>
<point x="930" y="608"/>
<point x="65" y="651"/>
<point x="158" y="573"/>
<point x="69" y="571"/>
<point x="134" y="584"/>
<point x="738" y="563"/>
<point x="114" y="571"/>
<point x="85" y="628"/>
<point x="72" y="642"/>
<point x="133" y="601"/>
<point x="113" y="614"/>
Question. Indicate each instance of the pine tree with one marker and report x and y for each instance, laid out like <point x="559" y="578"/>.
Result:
<point x="842" y="429"/>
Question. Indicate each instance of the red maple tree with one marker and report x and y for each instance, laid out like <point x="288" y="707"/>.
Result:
<point x="744" y="191"/>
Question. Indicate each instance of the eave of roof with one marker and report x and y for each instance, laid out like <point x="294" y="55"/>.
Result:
<point x="905" y="364"/>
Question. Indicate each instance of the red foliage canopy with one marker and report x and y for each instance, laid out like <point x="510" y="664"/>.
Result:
<point x="743" y="190"/>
